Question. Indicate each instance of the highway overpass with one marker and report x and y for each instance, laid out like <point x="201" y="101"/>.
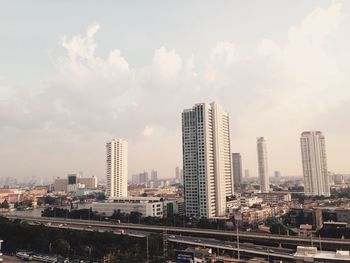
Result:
<point x="230" y="235"/>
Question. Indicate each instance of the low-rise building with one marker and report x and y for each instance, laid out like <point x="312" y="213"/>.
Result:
<point x="73" y="182"/>
<point x="275" y="197"/>
<point x="255" y="216"/>
<point x="249" y="200"/>
<point x="147" y="206"/>
<point x="311" y="254"/>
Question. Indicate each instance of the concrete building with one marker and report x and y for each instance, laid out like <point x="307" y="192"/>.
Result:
<point x="135" y="179"/>
<point x="277" y="175"/>
<point x="206" y="160"/>
<point x="237" y="169"/>
<point x="311" y="254"/>
<point x="313" y="152"/>
<point x="154" y="175"/>
<point x="73" y="182"/>
<point x="117" y="168"/>
<point x="177" y="173"/>
<point x="275" y="197"/>
<point x="246" y="173"/>
<point x="262" y="163"/>
<point x="143" y="177"/>
<point x="147" y="206"/>
<point x="60" y="185"/>
<point x="338" y="179"/>
<point x="89" y="182"/>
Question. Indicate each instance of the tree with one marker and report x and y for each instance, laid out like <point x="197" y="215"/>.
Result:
<point x="61" y="246"/>
<point x="271" y="220"/>
<point x="5" y="205"/>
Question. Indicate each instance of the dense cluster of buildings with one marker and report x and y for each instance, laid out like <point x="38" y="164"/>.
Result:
<point x="73" y="182"/>
<point x="212" y="175"/>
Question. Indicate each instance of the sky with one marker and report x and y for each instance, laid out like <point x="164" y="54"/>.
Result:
<point x="75" y="74"/>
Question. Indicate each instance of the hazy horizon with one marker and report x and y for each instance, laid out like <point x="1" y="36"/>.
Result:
<point x="74" y="75"/>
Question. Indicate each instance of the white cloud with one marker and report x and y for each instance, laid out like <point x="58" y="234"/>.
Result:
<point x="276" y="91"/>
<point x="166" y="63"/>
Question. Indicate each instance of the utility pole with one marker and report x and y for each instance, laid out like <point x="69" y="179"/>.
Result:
<point x="147" y="258"/>
<point x="165" y="244"/>
<point x="238" y="217"/>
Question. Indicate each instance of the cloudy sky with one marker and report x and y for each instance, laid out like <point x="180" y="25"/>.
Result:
<point x="74" y="74"/>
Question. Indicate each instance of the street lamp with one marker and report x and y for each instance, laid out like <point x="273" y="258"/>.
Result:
<point x="147" y="249"/>
<point x="238" y="217"/>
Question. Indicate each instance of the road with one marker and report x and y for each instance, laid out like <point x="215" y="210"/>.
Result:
<point x="246" y="248"/>
<point x="8" y="259"/>
<point x="268" y="238"/>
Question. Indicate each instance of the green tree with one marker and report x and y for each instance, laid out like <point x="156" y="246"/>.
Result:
<point x="61" y="247"/>
<point x="5" y="205"/>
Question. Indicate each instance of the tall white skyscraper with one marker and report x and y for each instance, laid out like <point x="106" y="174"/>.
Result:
<point x="206" y="160"/>
<point x="263" y="168"/>
<point x="314" y="159"/>
<point x="117" y="168"/>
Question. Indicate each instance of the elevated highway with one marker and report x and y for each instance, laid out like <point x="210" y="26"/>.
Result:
<point x="229" y="235"/>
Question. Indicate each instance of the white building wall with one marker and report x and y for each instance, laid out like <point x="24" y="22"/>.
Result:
<point x="314" y="160"/>
<point x="262" y="164"/>
<point x="117" y="168"/>
<point x="206" y="160"/>
<point x="154" y="209"/>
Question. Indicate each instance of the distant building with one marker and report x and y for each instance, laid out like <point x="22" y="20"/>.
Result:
<point x="177" y="173"/>
<point x="135" y="179"/>
<point x="263" y="168"/>
<point x="154" y="175"/>
<point x="143" y="177"/>
<point x="338" y="179"/>
<point x="206" y="160"/>
<point x="117" y="168"/>
<point x="60" y="185"/>
<point x="275" y="197"/>
<point x="246" y="173"/>
<point x="89" y="182"/>
<point x="73" y="182"/>
<point x="147" y="206"/>
<point x="237" y="169"/>
<point x="313" y="152"/>
<point x="277" y="175"/>
<point x="72" y="179"/>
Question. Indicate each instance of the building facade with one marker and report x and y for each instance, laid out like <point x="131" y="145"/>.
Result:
<point x="154" y="175"/>
<point x="262" y="164"/>
<point x="147" y="206"/>
<point x="314" y="160"/>
<point x="206" y="160"/>
<point x="237" y="169"/>
<point x="117" y="168"/>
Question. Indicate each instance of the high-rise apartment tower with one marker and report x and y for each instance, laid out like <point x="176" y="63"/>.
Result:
<point x="117" y="168"/>
<point x="262" y="163"/>
<point x="206" y="160"/>
<point x="313" y="152"/>
<point x="237" y="169"/>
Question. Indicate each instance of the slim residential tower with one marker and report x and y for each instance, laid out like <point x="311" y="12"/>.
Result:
<point x="206" y="160"/>
<point x="237" y="169"/>
<point x="313" y="152"/>
<point x="117" y="168"/>
<point x="262" y="162"/>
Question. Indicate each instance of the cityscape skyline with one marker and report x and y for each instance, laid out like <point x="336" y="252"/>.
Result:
<point x="86" y="83"/>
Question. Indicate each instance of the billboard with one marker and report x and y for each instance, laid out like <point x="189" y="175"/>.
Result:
<point x="184" y="257"/>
